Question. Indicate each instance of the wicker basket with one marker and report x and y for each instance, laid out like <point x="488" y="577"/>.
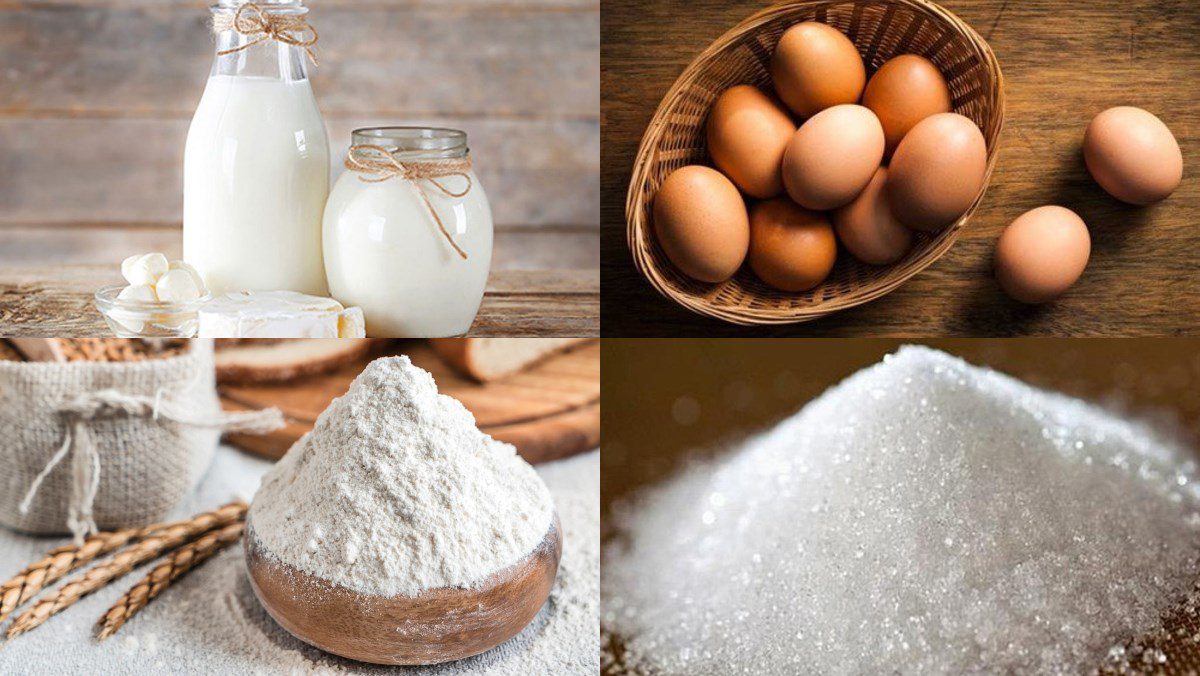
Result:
<point x="675" y="137"/>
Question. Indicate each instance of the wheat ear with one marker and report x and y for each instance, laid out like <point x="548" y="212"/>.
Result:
<point x="155" y="544"/>
<point x="57" y="563"/>
<point x="175" y="566"/>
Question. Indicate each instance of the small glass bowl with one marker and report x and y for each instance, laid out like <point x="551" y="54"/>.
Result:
<point x="139" y="319"/>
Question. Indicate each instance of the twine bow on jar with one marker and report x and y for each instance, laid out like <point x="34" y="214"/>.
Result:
<point x="254" y="22"/>
<point x="383" y="165"/>
<point x="78" y="412"/>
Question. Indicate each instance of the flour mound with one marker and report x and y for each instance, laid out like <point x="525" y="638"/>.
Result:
<point x="923" y="516"/>
<point x="396" y="491"/>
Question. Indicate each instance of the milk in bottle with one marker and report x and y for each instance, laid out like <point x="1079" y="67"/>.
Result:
<point x="256" y="163"/>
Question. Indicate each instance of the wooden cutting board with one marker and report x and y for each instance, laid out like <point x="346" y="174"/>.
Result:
<point x="549" y="411"/>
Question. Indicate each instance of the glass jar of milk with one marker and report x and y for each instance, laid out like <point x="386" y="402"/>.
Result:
<point x="256" y="164"/>
<point x="408" y="232"/>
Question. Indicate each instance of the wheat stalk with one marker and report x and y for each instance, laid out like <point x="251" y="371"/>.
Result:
<point x="178" y="564"/>
<point x="153" y="545"/>
<point x="57" y="563"/>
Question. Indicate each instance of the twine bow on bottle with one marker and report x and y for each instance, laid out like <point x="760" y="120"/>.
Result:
<point x="254" y="22"/>
<point x="383" y="165"/>
<point x="79" y="411"/>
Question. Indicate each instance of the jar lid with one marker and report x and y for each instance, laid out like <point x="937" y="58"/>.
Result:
<point x="414" y="142"/>
<point x="288" y="7"/>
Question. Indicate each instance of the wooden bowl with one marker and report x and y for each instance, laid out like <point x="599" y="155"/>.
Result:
<point x="435" y="626"/>
<point x="675" y="137"/>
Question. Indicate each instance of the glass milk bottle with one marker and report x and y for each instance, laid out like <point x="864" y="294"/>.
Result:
<point x="408" y="232"/>
<point x="256" y="164"/>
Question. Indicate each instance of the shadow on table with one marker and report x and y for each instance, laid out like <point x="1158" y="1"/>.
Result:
<point x="1112" y="225"/>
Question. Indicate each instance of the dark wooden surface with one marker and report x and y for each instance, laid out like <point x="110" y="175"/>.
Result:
<point x="58" y="301"/>
<point x="1063" y="63"/>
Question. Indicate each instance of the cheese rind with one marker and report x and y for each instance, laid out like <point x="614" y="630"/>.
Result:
<point x="276" y="314"/>
<point x="352" y="324"/>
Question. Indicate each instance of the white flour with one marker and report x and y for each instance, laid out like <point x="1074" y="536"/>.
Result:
<point x="210" y="623"/>
<point x="396" y="491"/>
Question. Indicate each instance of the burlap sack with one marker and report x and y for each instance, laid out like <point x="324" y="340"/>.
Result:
<point x="90" y="445"/>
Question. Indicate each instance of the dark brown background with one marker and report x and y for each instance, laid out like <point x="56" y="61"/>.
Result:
<point x="736" y="387"/>
<point x="1064" y="61"/>
<point x="741" y="385"/>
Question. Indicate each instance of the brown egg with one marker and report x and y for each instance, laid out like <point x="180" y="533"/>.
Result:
<point x="747" y="132"/>
<point x="1042" y="253"/>
<point x="832" y="157"/>
<point x="815" y="67"/>
<point x="867" y="227"/>
<point x="1132" y="155"/>
<point x="904" y="91"/>
<point x="937" y="171"/>
<point x="701" y="223"/>
<point x="791" y="248"/>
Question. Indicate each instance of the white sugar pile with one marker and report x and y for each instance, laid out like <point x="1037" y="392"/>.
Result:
<point x="396" y="491"/>
<point x="923" y="516"/>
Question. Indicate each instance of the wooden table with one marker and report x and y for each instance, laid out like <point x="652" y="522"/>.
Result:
<point x="1064" y="61"/>
<point x="57" y="301"/>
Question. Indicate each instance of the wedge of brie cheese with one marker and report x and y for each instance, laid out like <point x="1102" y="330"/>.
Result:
<point x="278" y="314"/>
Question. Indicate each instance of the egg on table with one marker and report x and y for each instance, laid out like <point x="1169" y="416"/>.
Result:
<point x="905" y="90"/>
<point x="868" y="228"/>
<point x="1133" y="155"/>
<point x="747" y="132"/>
<point x="1042" y="253"/>
<point x="701" y="223"/>
<point x="791" y="248"/>
<point x="832" y="157"/>
<point x="814" y="67"/>
<point x="937" y="171"/>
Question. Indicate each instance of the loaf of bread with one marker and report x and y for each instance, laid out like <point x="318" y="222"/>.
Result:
<point x="486" y="359"/>
<point x="95" y="349"/>
<point x="9" y="353"/>
<point x="246" y="361"/>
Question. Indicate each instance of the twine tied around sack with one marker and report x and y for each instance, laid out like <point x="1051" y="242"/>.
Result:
<point x="379" y="161"/>
<point x="78" y="411"/>
<point x="253" y="22"/>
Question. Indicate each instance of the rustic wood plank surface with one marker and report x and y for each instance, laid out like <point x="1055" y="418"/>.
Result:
<point x="1063" y="63"/>
<point x="445" y="5"/>
<point x="64" y="170"/>
<point x="91" y="59"/>
<point x="34" y="245"/>
<point x="57" y="301"/>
